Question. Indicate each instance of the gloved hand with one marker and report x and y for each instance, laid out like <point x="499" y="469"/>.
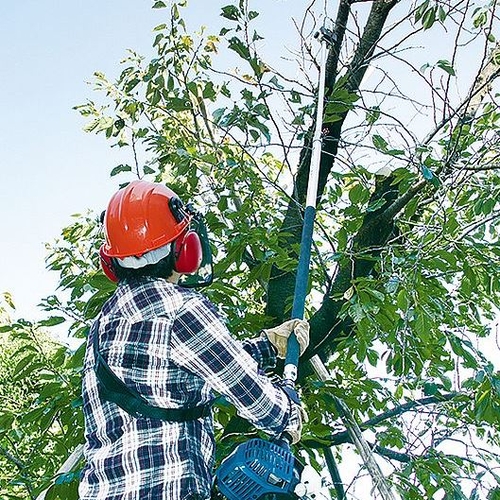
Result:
<point x="295" y="423"/>
<point x="278" y="336"/>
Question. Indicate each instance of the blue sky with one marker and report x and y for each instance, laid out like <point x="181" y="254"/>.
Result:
<point x="51" y="169"/>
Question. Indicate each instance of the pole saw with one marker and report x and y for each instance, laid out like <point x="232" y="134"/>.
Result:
<point x="267" y="469"/>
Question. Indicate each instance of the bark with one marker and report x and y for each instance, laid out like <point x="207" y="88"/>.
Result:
<point x="281" y="283"/>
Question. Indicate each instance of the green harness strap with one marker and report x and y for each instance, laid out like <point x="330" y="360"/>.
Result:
<point x="111" y="388"/>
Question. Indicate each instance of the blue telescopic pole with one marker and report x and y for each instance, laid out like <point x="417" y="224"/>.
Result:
<point x="300" y="294"/>
<point x="299" y="300"/>
<point x="235" y="475"/>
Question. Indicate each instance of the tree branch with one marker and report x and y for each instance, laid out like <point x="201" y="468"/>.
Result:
<point x="21" y="466"/>
<point x="344" y="437"/>
<point x="378" y="226"/>
<point x="339" y="35"/>
<point x="470" y="105"/>
<point x="281" y="283"/>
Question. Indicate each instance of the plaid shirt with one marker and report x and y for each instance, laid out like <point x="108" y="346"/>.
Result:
<point x="169" y="344"/>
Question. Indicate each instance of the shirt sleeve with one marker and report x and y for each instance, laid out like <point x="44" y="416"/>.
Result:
<point x="262" y="351"/>
<point x="201" y="343"/>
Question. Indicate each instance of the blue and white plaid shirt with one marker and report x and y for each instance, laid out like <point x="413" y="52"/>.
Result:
<point x="170" y="345"/>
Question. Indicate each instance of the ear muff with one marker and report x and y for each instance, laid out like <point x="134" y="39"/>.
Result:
<point x="188" y="253"/>
<point x="106" y="265"/>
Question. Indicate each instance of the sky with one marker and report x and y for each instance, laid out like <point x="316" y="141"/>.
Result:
<point x="50" y="168"/>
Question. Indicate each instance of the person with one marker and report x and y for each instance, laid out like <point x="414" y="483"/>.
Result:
<point x="158" y="354"/>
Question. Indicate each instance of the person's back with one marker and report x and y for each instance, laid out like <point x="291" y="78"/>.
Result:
<point x="144" y="457"/>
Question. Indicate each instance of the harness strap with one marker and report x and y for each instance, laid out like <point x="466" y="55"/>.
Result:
<point x="112" y="388"/>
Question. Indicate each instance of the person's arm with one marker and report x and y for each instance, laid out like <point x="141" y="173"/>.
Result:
<point x="262" y="351"/>
<point x="201" y="344"/>
<point x="273" y="342"/>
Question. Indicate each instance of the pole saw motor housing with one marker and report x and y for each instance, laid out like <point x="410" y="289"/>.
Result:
<point x="258" y="468"/>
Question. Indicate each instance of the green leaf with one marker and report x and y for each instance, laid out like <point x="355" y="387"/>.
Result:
<point x="480" y="18"/>
<point x="254" y="135"/>
<point x="178" y="104"/>
<point x="356" y="312"/>
<point x="295" y="97"/>
<point x="398" y="393"/>
<point x="429" y="18"/>
<point x="373" y="357"/>
<point x="395" y="152"/>
<point x="372" y="115"/>
<point x="22" y="364"/>
<point x="218" y="114"/>
<point x="442" y="15"/>
<point x="240" y="48"/>
<point x="155" y="97"/>
<point x="159" y="5"/>
<point x="379" y="142"/>
<point x="50" y="390"/>
<point x="426" y="172"/>
<point x="8" y="299"/>
<point x="331" y="118"/>
<point x="52" y="321"/>
<point x="403" y="300"/>
<point x="274" y="81"/>
<point x="230" y="12"/>
<point x="375" y="205"/>
<point x="494" y="494"/>
<point x="420" y="10"/>
<point x="91" y="126"/>
<point x="429" y="175"/>
<point x="458" y="348"/>
<point x="358" y="194"/>
<point x="423" y="68"/>
<point x="430" y="389"/>
<point x="446" y="66"/>
<point x="120" y="168"/>
<point x="209" y="91"/>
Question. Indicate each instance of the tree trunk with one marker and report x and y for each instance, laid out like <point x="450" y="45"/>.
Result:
<point x="282" y="283"/>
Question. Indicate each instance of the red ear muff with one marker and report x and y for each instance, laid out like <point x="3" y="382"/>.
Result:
<point x="188" y="253"/>
<point x="106" y="265"/>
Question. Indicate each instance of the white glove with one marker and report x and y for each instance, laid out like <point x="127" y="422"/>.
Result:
<point x="278" y="336"/>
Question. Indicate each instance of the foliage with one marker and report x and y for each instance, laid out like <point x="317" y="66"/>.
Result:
<point x="405" y="275"/>
<point x="40" y="405"/>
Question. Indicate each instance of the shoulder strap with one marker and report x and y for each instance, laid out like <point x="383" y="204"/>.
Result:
<point x="112" y="388"/>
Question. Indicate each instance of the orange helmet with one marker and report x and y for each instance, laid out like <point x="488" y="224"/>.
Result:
<point x="142" y="217"/>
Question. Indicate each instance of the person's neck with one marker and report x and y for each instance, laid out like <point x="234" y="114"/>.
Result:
<point x="174" y="278"/>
